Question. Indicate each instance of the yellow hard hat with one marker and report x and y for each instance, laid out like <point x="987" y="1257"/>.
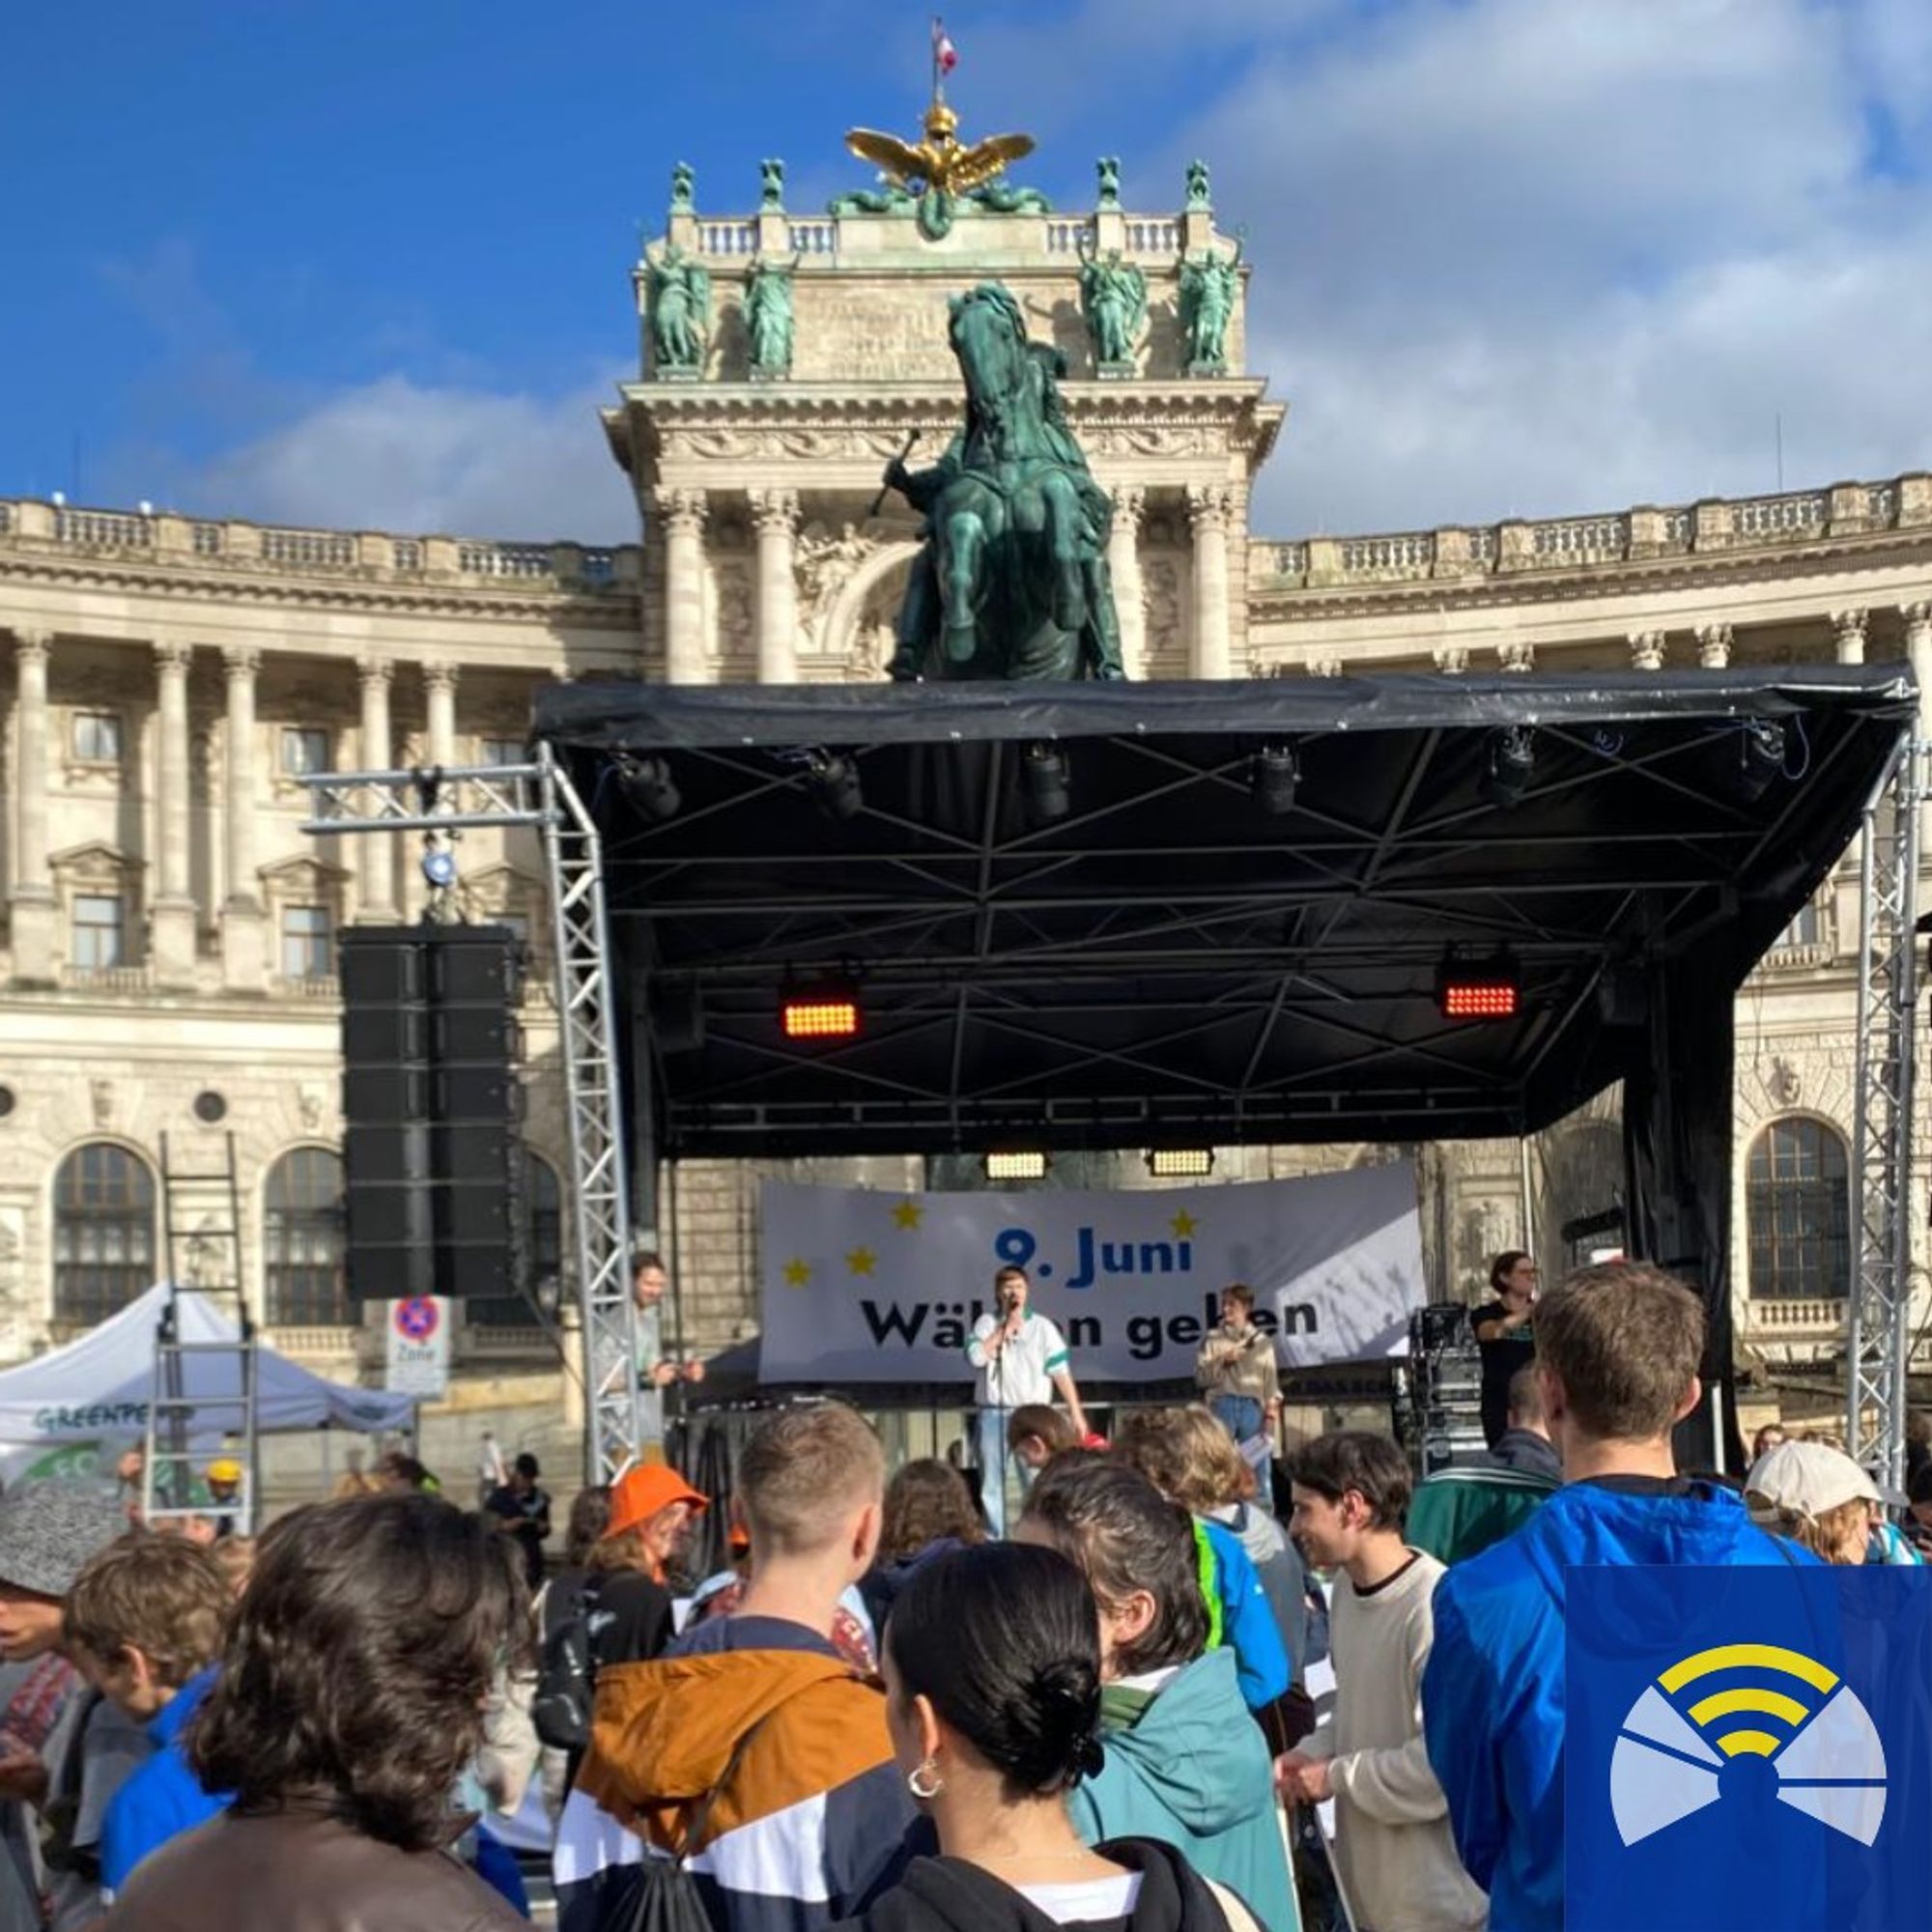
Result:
<point x="224" y="1471"/>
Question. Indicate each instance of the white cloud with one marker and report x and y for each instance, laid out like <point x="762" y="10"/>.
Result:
<point x="392" y="454"/>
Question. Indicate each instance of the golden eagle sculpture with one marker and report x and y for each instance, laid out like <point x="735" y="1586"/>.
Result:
<point x="941" y="168"/>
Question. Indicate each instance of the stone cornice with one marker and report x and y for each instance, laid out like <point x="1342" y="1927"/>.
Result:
<point x="614" y="609"/>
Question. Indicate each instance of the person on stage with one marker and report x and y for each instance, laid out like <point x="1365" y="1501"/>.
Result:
<point x="1020" y="1357"/>
<point x="1504" y="1334"/>
<point x="1236" y="1375"/>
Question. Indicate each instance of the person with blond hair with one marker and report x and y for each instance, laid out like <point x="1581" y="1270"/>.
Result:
<point x="753" y="1750"/>
<point x="1816" y="1496"/>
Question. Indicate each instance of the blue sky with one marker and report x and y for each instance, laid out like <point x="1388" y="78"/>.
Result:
<point x="361" y="263"/>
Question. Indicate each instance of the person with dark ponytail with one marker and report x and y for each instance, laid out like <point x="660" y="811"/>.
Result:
<point x="992" y="1669"/>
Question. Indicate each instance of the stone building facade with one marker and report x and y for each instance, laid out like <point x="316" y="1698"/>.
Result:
<point x="166" y="957"/>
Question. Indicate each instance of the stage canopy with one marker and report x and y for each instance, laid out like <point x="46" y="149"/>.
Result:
<point x="1170" y="960"/>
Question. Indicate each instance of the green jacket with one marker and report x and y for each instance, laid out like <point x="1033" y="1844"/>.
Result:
<point x="1193" y="1769"/>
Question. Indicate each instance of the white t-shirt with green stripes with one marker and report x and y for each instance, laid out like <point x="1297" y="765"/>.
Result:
<point x="1022" y="1372"/>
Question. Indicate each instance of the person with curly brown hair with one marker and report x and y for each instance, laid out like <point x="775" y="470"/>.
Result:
<point x="928" y="1511"/>
<point x="351" y="1703"/>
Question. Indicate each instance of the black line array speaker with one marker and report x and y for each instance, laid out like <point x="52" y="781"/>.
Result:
<point x="430" y="1105"/>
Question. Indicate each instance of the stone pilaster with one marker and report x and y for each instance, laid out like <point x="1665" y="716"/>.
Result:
<point x="376" y="851"/>
<point x="774" y="515"/>
<point x="1124" y="566"/>
<point x="683" y="512"/>
<point x="244" y="959"/>
<point x="440" y="731"/>
<point x="173" y="931"/>
<point x="1714" y="645"/>
<point x="31" y="904"/>
<point x="1919" y="649"/>
<point x="1207" y="513"/>
<point x="1451" y="660"/>
<point x="1647" y="650"/>
<point x="1848" y="628"/>
<point x="1517" y="655"/>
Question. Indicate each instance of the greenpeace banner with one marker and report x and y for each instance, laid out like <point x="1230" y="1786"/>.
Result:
<point x="861" y="1286"/>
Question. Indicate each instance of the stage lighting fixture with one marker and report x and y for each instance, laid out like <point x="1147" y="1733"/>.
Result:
<point x="1277" y="769"/>
<point x="832" y="779"/>
<point x="439" y="867"/>
<point x="1759" y="757"/>
<point x="1179" y="1164"/>
<point x="1479" y="989"/>
<point x="1510" y="764"/>
<point x="648" y="786"/>
<point x="820" y="1012"/>
<point x="1044" y="767"/>
<point x="1016" y="1164"/>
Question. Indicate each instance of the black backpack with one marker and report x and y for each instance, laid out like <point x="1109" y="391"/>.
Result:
<point x="567" y="1672"/>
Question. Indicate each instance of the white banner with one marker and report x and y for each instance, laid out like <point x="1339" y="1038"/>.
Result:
<point x="861" y="1286"/>
<point x="418" y="1354"/>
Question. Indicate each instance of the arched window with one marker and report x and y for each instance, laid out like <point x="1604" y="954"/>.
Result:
<point x="1798" y="1197"/>
<point x="542" y="1253"/>
<point x="302" y="1241"/>
<point x="103" y="1232"/>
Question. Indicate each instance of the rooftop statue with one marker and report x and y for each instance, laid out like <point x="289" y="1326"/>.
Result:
<point x="1209" y="284"/>
<point x="937" y="172"/>
<point x="1012" y="579"/>
<point x="768" y="315"/>
<point x="1114" y="298"/>
<point x="679" y="291"/>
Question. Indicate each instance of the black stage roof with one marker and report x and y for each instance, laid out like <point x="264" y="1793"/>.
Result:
<point x="1168" y="962"/>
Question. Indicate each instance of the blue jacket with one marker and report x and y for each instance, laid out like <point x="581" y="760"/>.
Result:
<point x="162" y="1798"/>
<point x="1493" y="1689"/>
<point x="1194" y="1771"/>
<point x="1248" y="1626"/>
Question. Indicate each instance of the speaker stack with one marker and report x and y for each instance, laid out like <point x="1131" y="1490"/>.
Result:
<point x="1445" y="1388"/>
<point x="431" y="1106"/>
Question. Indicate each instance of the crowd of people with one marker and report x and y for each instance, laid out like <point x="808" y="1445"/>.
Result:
<point x="883" y="1712"/>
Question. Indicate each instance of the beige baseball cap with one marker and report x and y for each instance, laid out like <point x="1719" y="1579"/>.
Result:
<point x="1809" y="1478"/>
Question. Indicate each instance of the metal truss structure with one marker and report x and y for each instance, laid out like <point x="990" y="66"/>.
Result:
<point x="1879" y="1329"/>
<point x="448" y="800"/>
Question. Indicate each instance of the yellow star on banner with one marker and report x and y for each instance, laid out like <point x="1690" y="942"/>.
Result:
<point x="908" y="1213"/>
<point x="797" y="1273"/>
<point x="862" y="1261"/>
<point x="1183" y="1224"/>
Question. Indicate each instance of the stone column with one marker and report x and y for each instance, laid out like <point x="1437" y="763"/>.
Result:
<point x="1208" y="512"/>
<point x="378" y="849"/>
<point x="775" y="512"/>
<point x="683" y="513"/>
<point x="1646" y="650"/>
<point x="31" y="903"/>
<point x="440" y="734"/>
<point x="243" y="929"/>
<point x="1714" y="645"/>
<point x="1124" y="566"/>
<point x="1919" y="649"/>
<point x="173" y="912"/>
<point x="1849" y="626"/>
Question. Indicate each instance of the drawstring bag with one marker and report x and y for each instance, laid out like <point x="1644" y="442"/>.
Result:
<point x="668" y="1896"/>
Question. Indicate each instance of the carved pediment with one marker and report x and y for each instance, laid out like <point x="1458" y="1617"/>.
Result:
<point x="302" y="872"/>
<point x="96" y="863"/>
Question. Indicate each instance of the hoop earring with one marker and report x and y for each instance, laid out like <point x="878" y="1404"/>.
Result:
<point x="925" y="1783"/>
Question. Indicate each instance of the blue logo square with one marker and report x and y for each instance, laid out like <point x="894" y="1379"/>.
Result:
<point x="1747" y="1747"/>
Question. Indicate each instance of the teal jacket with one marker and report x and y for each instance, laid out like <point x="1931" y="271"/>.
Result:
<point x="1194" y="1770"/>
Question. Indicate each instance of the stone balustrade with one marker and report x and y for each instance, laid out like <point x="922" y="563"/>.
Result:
<point x="737" y="238"/>
<point x="1589" y="543"/>
<point x="28" y="525"/>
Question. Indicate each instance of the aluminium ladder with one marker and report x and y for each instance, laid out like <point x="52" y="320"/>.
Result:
<point x="205" y="1387"/>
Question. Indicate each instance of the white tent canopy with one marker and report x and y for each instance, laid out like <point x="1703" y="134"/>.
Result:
<point x="100" y="1385"/>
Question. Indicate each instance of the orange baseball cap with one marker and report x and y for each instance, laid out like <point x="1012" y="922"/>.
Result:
<point x="640" y="1492"/>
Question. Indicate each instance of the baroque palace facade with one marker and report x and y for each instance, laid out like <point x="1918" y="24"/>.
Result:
<point x="167" y="962"/>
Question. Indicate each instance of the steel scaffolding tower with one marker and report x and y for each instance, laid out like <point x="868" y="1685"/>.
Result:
<point x="438" y="803"/>
<point x="1879" y="1326"/>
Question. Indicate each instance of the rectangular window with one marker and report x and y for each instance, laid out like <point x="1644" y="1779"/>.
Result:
<point x="1806" y="929"/>
<point x="504" y="752"/>
<point x="304" y="749"/>
<point x="99" y="932"/>
<point x="97" y="737"/>
<point x="305" y="949"/>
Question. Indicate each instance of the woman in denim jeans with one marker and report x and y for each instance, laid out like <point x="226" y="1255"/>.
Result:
<point x="1235" y="1373"/>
